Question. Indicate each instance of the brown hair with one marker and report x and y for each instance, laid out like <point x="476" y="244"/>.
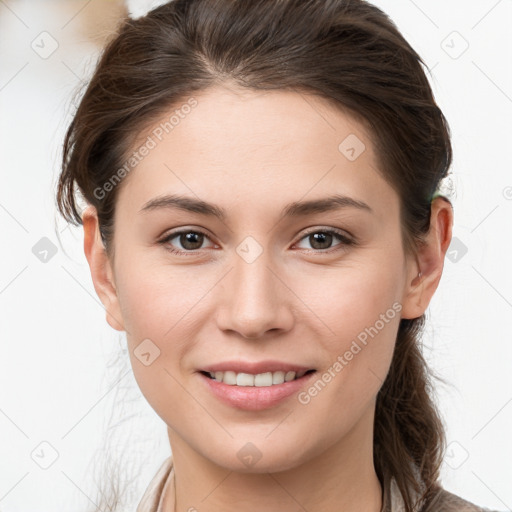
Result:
<point x="347" y="51"/>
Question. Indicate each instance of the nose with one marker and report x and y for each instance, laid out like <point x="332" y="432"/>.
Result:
<point x="254" y="300"/>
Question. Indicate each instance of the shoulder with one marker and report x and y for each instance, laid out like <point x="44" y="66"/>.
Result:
<point x="153" y="495"/>
<point x="445" y="501"/>
<point x="440" y="500"/>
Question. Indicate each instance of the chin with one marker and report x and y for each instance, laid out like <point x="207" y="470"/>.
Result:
<point x="260" y="456"/>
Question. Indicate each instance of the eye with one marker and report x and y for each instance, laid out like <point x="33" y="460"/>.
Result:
<point x="322" y="239"/>
<point x="191" y="241"/>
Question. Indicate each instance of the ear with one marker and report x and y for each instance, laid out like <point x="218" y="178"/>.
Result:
<point x="429" y="261"/>
<point x="101" y="269"/>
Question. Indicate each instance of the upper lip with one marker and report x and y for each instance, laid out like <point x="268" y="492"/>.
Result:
<point x="255" y="367"/>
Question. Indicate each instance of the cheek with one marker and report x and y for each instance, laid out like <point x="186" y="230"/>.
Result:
<point x="360" y="312"/>
<point x="157" y="320"/>
<point x="160" y="305"/>
<point x="360" y="355"/>
<point x="157" y="300"/>
<point x="355" y="299"/>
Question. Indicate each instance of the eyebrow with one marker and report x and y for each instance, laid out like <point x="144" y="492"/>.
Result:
<point x="295" y="209"/>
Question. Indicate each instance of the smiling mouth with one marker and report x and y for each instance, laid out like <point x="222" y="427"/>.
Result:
<point x="266" y="379"/>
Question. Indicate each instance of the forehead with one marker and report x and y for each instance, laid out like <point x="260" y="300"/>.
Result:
<point x="247" y="146"/>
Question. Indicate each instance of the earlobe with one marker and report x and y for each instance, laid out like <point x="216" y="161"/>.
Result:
<point x="425" y="273"/>
<point x="101" y="269"/>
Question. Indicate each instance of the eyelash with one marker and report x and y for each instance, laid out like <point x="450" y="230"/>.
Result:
<point x="345" y="241"/>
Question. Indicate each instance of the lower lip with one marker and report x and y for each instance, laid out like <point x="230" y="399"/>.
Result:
<point x="254" y="398"/>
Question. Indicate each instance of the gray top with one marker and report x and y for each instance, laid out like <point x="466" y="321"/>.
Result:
<point x="162" y="485"/>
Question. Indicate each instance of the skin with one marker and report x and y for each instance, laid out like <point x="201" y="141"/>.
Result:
<point x="252" y="153"/>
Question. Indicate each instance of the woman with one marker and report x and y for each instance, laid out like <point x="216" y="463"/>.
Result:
<point x="264" y="221"/>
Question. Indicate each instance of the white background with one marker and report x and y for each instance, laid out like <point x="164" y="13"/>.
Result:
<point x="58" y="381"/>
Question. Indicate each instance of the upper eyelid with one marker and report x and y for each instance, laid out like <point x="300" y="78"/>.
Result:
<point x="174" y="234"/>
<point x="339" y="231"/>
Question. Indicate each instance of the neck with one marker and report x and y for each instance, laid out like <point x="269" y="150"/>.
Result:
<point x="340" y="478"/>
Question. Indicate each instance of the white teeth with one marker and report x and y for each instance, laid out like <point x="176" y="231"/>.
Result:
<point x="289" y="376"/>
<point x="277" y="377"/>
<point x="262" y="379"/>
<point x="259" y="380"/>
<point x="244" y="379"/>
<point x="229" y="378"/>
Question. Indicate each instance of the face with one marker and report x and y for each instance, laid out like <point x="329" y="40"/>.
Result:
<point x="321" y="287"/>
